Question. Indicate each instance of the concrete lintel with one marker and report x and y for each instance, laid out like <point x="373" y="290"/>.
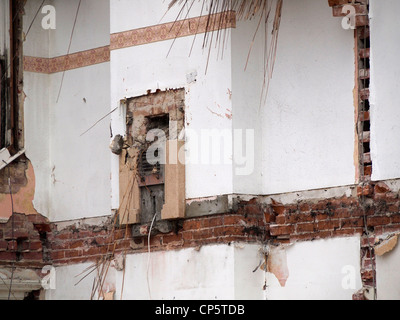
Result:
<point x="208" y="206"/>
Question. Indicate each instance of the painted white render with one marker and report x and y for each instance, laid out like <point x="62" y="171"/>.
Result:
<point x="136" y="70"/>
<point x="320" y="270"/>
<point x="388" y="279"/>
<point x="60" y="107"/>
<point x="385" y="118"/>
<point x="304" y="139"/>
<point x="321" y="123"/>
<point x="308" y="121"/>
<point x="325" y="269"/>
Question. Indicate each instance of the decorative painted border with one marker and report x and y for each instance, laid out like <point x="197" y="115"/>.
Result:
<point x="136" y="37"/>
<point x="172" y="30"/>
<point x="67" y="62"/>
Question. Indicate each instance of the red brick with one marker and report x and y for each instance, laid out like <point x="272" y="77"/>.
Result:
<point x="278" y="230"/>
<point x="349" y="202"/>
<point x="278" y="208"/>
<point x="83" y="234"/>
<point x="368" y="171"/>
<point x="367" y="275"/>
<point x="187" y="235"/>
<point x="38" y="256"/>
<point x="8" y="256"/>
<point x="192" y="225"/>
<point x="267" y="217"/>
<point x="76" y="244"/>
<point x="63" y="236"/>
<point x="118" y="234"/>
<point x="281" y="219"/>
<point x="299" y="218"/>
<point x="17" y="234"/>
<point x="24" y="246"/>
<point x="253" y="209"/>
<point x="35" y="245"/>
<point x="57" y="255"/>
<point x="381" y="187"/>
<point x="368" y="263"/>
<point x="320" y="205"/>
<point x="352" y="223"/>
<point x="321" y="216"/>
<point x="342" y="213"/>
<point x="301" y="237"/>
<point x="305" y="227"/>
<point x="203" y="234"/>
<point x="37" y="219"/>
<point x="391" y="228"/>
<point x="12" y="245"/>
<point x="93" y="251"/>
<point x="3" y="245"/>
<point x="213" y="222"/>
<point x="394" y="208"/>
<point x="231" y="220"/>
<point x="378" y="221"/>
<point x="328" y="225"/>
<point x="395" y="218"/>
<point x="172" y="238"/>
<point x="104" y="240"/>
<point x="59" y="245"/>
<point x="323" y="234"/>
<point x="364" y="190"/>
<point x="359" y="9"/>
<point x="73" y="253"/>
<point x="227" y="231"/>
<point x="333" y="3"/>
<point x="305" y="207"/>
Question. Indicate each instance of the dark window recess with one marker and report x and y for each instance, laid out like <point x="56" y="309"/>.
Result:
<point x="11" y="130"/>
<point x="5" y="114"/>
<point x="152" y="176"/>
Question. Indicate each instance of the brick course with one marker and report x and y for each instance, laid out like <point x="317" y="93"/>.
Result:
<point x="36" y="242"/>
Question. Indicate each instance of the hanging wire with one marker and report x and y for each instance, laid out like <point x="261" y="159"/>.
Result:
<point x="69" y="49"/>
<point x="26" y="35"/>
<point x="12" y="228"/>
<point x="364" y="33"/>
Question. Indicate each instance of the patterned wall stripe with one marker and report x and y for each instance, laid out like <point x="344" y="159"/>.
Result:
<point x="130" y="38"/>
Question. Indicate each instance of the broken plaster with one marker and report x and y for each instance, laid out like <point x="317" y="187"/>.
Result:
<point x="386" y="245"/>
<point x="275" y="262"/>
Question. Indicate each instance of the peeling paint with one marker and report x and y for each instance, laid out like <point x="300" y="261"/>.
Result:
<point x="23" y="199"/>
<point x="277" y="264"/>
<point x="386" y="245"/>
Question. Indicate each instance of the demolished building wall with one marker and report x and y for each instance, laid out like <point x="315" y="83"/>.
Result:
<point x="303" y="223"/>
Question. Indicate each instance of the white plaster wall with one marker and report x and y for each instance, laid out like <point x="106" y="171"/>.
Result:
<point x="385" y="69"/>
<point x="387" y="275"/>
<point x="4" y="26"/>
<point x="37" y="42"/>
<point x="247" y="80"/>
<point x="126" y="17"/>
<point x="36" y="107"/>
<point x="72" y="171"/>
<point x="320" y="270"/>
<point x="308" y="120"/>
<point x="80" y="165"/>
<point x="136" y="70"/>
<point x="92" y="28"/>
<point x="72" y="283"/>
<point x="37" y="136"/>
<point x="181" y="275"/>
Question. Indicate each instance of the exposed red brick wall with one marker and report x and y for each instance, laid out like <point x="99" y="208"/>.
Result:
<point x="26" y="245"/>
<point x="252" y="222"/>
<point x="375" y="208"/>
